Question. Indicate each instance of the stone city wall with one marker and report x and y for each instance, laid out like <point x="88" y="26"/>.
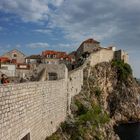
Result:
<point x="75" y="83"/>
<point x="36" y="108"/>
<point x="103" y="55"/>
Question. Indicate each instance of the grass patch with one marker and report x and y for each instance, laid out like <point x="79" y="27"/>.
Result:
<point x="123" y="70"/>
<point x="94" y="115"/>
<point x="81" y="108"/>
<point x="97" y="91"/>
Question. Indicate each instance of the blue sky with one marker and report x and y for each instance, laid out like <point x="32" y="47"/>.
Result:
<point x="35" y="25"/>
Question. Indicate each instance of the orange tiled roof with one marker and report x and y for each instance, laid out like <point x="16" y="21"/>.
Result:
<point x="4" y="59"/>
<point x="58" y="54"/>
<point x="52" y="52"/>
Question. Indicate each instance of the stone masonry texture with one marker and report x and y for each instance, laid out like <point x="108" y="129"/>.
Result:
<point x="37" y="108"/>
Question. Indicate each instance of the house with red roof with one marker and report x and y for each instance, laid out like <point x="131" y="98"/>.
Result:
<point x="15" y="56"/>
<point x="4" y="60"/>
<point x="55" y="57"/>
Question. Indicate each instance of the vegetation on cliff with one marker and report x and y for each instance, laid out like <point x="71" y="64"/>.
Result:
<point x="109" y="96"/>
<point x="123" y="70"/>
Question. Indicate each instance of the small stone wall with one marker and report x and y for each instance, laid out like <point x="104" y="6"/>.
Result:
<point x="9" y="73"/>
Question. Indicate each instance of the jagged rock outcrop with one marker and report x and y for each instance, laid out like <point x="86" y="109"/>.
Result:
<point x="121" y="98"/>
<point x="110" y="95"/>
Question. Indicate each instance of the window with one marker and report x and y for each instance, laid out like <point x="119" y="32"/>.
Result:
<point x="52" y="76"/>
<point x="27" y="137"/>
<point x="48" y="56"/>
<point x="14" y="55"/>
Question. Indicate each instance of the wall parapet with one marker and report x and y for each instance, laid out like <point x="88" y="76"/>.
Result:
<point x="37" y="107"/>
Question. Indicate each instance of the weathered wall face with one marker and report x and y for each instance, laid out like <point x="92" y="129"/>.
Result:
<point x="9" y="73"/>
<point x="126" y="58"/>
<point x="88" y="47"/>
<point x="8" y="69"/>
<point x="121" y="55"/>
<point x="75" y="82"/>
<point x="22" y="72"/>
<point x="50" y="61"/>
<point x="60" y="69"/>
<point x="36" y="108"/>
<point x="101" y="56"/>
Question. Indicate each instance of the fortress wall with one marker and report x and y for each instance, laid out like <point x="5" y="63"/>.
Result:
<point x="36" y="108"/>
<point x="101" y="56"/>
<point x="75" y="82"/>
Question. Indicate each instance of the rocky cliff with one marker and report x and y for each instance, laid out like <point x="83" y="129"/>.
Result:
<point x="110" y="95"/>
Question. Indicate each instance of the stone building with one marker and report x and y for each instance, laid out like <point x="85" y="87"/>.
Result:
<point x="33" y="59"/>
<point x="92" y="47"/>
<point x="73" y="56"/>
<point x="87" y="47"/>
<point x="15" y="56"/>
<point x="121" y="55"/>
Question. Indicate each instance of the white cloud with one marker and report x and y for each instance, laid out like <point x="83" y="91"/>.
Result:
<point x="103" y="20"/>
<point x="38" y="45"/>
<point x="44" y="31"/>
<point x="29" y="10"/>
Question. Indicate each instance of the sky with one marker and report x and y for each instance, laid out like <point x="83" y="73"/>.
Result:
<point x="36" y="25"/>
